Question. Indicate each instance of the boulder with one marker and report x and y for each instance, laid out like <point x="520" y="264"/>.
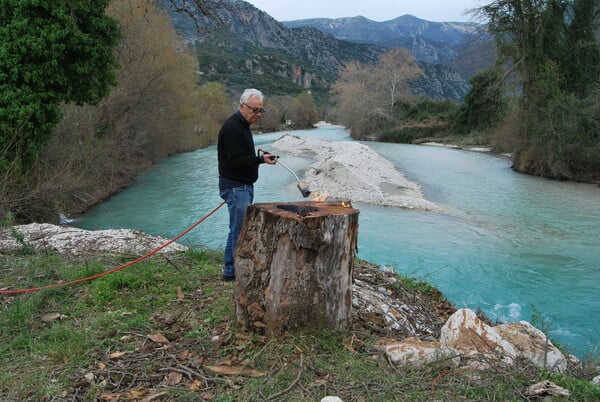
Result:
<point x="475" y="340"/>
<point x="546" y="389"/>
<point x="414" y="352"/>
<point x="467" y="341"/>
<point x="533" y="345"/>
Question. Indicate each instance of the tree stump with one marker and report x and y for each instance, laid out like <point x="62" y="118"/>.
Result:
<point x="294" y="264"/>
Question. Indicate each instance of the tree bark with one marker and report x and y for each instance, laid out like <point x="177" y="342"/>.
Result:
<point x="294" y="264"/>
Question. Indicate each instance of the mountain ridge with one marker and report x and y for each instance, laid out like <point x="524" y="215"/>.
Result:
<point x="430" y="42"/>
<point x="239" y="44"/>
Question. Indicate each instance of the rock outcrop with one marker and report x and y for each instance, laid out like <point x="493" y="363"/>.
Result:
<point x="240" y="35"/>
<point x="467" y="341"/>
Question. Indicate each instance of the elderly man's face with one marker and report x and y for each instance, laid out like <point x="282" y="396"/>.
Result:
<point x="252" y="110"/>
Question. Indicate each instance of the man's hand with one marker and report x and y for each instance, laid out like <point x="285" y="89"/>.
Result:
<point x="270" y="159"/>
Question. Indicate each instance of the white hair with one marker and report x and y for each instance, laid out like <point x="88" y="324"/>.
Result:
<point x="251" y="93"/>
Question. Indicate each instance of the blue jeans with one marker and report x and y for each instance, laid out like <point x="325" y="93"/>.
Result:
<point x="237" y="200"/>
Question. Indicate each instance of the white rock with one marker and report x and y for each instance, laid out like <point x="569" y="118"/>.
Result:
<point x="410" y="322"/>
<point x="468" y="342"/>
<point x="473" y="338"/>
<point x="533" y="345"/>
<point x="75" y="241"/>
<point x="331" y="399"/>
<point x="414" y="352"/>
<point x="546" y="389"/>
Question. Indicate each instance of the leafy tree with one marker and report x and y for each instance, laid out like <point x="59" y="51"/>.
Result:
<point x="552" y="49"/>
<point x="307" y="113"/>
<point x="484" y="104"/>
<point x="525" y="32"/>
<point x="51" y="51"/>
<point x="582" y="59"/>
<point x="156" y="110"/>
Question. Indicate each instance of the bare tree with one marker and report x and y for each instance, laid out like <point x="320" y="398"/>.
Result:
<point x="213" y="106"/>
<point x="307" y="111"/>
<point x="365" y="95"/>
<point x="394" y="71"/>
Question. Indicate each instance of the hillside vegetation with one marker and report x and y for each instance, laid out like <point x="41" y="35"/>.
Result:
<point x="151" y="112"/>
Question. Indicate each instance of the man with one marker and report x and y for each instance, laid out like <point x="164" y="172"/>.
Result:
<point x="238" y="168"/>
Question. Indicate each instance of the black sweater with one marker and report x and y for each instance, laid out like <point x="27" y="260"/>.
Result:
<point x="235" y="147"/>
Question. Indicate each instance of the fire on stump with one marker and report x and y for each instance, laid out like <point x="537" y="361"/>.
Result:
<point x="294" y="264"/>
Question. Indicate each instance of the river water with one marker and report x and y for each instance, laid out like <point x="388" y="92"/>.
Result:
<point x="516" y="247"/>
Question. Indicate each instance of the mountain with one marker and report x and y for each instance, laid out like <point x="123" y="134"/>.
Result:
<point x="241" y="45"/>
<point x="462" y="46"/>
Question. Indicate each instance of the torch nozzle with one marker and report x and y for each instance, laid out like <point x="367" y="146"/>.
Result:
<point x="301" y="185"/>
<point x="303" y="189"/>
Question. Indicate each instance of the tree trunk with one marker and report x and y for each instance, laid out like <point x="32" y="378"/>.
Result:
<point x="294" y="264"/>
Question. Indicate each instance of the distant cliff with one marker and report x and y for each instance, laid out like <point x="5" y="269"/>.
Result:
<point x="240" y="44"/>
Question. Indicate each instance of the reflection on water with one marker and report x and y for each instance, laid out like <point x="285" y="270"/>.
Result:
<point x="509" y="244"/>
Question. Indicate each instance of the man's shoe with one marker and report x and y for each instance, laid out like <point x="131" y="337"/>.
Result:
<point x="228" y="278"/>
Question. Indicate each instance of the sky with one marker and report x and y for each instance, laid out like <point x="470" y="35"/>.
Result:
<point x="377" y="10"/>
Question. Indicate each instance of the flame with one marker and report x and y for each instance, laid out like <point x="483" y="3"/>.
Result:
<point x="318" y="198"/>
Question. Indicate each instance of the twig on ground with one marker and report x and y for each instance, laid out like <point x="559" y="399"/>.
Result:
<point x="191" y="372"/>
<point x="292" y="385"/>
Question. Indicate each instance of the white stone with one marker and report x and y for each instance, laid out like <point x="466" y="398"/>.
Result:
<point x="410" y="321"/>
<point x="546" y="389"/>
<point x="75" y="241"/>
<point x="533" y="345"/>
<point x="414" y="352"/>
<point x="331" y="399"/>
<point x="90" y="377"/>
<point x="473" y="338"/>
